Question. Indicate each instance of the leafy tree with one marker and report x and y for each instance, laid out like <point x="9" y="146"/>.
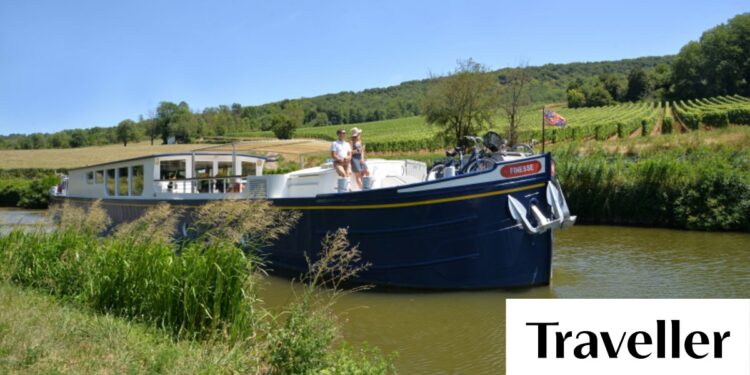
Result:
<point x="286" y="123"/>
<point x="78" y="139"/>
<point x="719" y="64"/>
<point x="597" y="95"/>
<point x="514" y="94"/>
<point x="36" y="141"/>
<point x="463" y="103"/>
<point x="60" y="140"/>
<point x="171" y="120"/>
<point x="576" y="98"/>
<point x="283" y="127"/>
<point x="612" y="84"/>
<point x="638" y="85"/>
<point x="659" y="79"/>
<point x="126" y="132"/>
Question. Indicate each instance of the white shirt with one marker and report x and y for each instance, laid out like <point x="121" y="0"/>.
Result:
<point x="341" y="148"/>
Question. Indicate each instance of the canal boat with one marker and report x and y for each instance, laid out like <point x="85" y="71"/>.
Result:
<point x="486" y="229"/>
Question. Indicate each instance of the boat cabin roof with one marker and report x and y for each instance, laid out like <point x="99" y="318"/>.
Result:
<point x="156" y="156"/>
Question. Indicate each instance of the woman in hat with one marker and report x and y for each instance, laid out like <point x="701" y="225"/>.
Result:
<point x="359" y="167"/>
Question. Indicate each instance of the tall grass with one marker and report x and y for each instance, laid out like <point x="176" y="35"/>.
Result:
<point x="692" y="186"/>
<point x="304" y="334"/>
<point x="201" y="288"/>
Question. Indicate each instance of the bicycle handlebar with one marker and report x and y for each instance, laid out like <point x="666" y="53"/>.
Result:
<point x="477" y="140"/>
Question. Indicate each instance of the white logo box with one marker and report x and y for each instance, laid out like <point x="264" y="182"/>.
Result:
<point x="724" y="323"/>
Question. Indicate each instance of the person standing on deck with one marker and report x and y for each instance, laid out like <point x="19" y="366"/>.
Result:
<point x="359" y="167"/>
<point x="341" y="151"/>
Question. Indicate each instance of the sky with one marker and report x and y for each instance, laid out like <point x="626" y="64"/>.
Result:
<point x="79" y="64"/>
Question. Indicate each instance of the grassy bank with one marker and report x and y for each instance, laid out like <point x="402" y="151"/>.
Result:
<point x="40" y="334"/>
<point x="201" y="292"/>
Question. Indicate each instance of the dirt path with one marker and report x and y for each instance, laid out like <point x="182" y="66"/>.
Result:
<point x="681" y="125"/>
<point x="636" y="133"/>
<point x="659" y="123"/>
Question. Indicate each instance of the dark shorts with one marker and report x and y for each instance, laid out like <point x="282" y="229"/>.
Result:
<point x="358" y="165"/>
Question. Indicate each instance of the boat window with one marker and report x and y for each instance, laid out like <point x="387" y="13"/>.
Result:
<point x="172" y="170"/>
<point x="99" y="177"/>
<point x="225" y="169"/>
<point x="122" y="181"/>
<point x="90" y="177"/>
<point x="248" y="168"/>
<point x="204" y="169"/>
<point x="137" y="185"/>
<point x="110" y="182"/>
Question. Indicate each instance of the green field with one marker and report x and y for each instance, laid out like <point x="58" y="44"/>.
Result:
<point x="591" y="123"/>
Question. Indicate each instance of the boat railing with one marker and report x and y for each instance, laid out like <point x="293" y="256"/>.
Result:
<point x="211" y="185"/>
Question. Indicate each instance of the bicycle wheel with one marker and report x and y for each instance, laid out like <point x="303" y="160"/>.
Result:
<point x="480" y="165"/>
<point x="436" y="172"/>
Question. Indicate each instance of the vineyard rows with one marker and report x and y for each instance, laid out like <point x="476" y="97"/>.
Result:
<point x="592" y="123"/>
<point x="714" y="112"/>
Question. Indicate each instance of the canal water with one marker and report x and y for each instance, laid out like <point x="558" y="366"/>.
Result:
<point x="463" y="332"/>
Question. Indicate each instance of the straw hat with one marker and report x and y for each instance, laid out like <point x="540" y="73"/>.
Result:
<point x="356" y="131"/>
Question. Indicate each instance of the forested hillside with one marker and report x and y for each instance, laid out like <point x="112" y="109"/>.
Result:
<point x="186" y="124"/>
<point x="718" y="64"/>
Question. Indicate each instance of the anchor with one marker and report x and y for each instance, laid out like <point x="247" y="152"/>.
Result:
<point x="561" y="217"/>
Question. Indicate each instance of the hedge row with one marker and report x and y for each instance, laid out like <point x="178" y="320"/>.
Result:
<point x="26" y="193"/>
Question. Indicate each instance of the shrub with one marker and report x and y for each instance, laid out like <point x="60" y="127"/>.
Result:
<point x="26" y="193"/>
<point x="740" y="116"/>
<point x="691" y="120"/>
<point x="346" y="361"/>
<point x="717" y="119"/>
<point x="666" y="126"/>
<point x="283" y="126"/>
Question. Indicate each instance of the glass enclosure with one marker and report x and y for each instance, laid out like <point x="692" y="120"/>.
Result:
<point x="204" y="169"/>
<point x="122" y="181"/>
<point x="137" y="181"/>
<point x="110" y="182"/>
<point x="248" y="168"/>
<point x="224" y="170"/>
<point x="90" y="177"/>
<point x="99" y="177"/>
<point x="172" y="170"/>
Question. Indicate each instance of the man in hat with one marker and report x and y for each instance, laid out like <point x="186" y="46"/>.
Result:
<point x="341" y="151"/>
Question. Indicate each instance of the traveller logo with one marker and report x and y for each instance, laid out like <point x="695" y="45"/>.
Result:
<point x="627" y="336"/>
<point x="521" y="169"/>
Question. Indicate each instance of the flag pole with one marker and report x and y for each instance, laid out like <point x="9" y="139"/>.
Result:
<point x="542" y="129"/>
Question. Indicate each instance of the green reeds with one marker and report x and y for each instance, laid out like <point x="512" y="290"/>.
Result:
<point x="693" y="186"/>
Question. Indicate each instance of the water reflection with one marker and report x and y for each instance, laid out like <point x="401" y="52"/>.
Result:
<point x="10" y="218"/>
<point x="463" y="332"/>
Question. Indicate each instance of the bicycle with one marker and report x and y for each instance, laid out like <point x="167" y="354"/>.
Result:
<point x="479" y="159"/>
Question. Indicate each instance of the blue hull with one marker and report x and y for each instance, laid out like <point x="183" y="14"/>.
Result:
<point x="420" y="240"/>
